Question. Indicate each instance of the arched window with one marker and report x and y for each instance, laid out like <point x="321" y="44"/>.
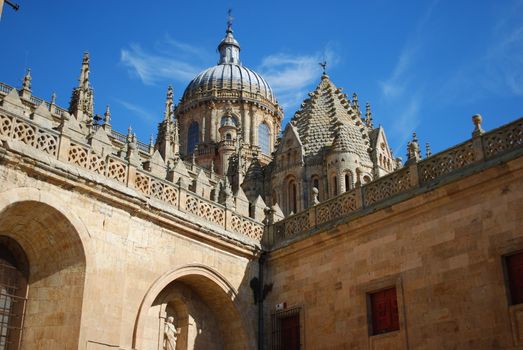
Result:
<point x="264" y="138"/>
<point x="228" y="136"/>
<point x="192" y="137"/>
<point x="334" y="185"/>
<point x="14" y="273"/>
<point x="292" y="197"/>
<point x="348" y="181"/>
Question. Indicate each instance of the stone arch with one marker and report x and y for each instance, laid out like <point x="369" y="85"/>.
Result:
<point x="220" y="296"/>
<point x="53" y="240"/>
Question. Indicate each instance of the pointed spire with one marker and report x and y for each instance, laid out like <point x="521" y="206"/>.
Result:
<point x="83" y="81"/>
<point x="356" y="104"/>
<point x="82" y="99"/>
<point x="428" y="152"/>
<point x="368" y="115"/>
<point x="26" y="85"/>
<point x="151" y="144"/>
<point x="107" y="115"/>
<point x="229" y="48"/>
<point x="169" y="106"/>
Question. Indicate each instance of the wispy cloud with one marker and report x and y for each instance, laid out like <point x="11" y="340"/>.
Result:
<point x="292" y="75"/>
<point x="141" y="113"/>
<point x="498" y="71"/>
<point x="400" y="87"/>
<point x="169" y="60"/>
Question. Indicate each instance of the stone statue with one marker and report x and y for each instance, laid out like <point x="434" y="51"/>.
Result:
<point x="170" y="334"/>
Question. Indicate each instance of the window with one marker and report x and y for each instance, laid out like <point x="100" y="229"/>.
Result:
<point x="292" y="197"/>
<point x="286" y="330"/>
<point x="14" y="273"/>
<point x="514" y="265"/>
<point x="264" y="138"/>
<point x="384" y="311"/>
<point x="348" y="181"/>
<point x="334" y="186"/>
<point x="192" y="137"/>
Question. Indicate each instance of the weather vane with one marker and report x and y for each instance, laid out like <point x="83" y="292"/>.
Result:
<point x="229" y="19"/>
<point x="324" y="66"/>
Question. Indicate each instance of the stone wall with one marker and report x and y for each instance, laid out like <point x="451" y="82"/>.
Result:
<point x="442" y="250"/>
<point x="98" y="262"/>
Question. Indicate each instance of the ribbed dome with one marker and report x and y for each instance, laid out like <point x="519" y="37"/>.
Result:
<point x="228" y="74"/>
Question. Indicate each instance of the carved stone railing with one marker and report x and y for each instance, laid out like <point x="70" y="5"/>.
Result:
<point x="480" y="149"/>
<point x="123" y="171"/>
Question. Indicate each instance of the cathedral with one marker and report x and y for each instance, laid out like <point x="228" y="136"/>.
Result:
<point x="233" y="231"/>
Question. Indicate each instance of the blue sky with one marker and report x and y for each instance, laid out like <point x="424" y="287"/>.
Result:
<point x="425" y="66"/>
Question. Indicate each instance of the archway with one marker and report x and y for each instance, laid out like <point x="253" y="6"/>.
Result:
<point x="56" y="268"/>
<point x="204" y="306"/>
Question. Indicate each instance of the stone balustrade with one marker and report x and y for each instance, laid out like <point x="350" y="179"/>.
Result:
<point x="482" y="148"/>
<point x="117" y="167"/>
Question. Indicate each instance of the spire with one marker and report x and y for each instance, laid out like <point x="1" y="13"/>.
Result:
<point x="83" y="81"/>
<point x="107" y="115"/>
<point x="368" y="115"/>
<point x="428" y="152"/>
<point x="82" y="100"/>
<point x="355" y="104"/>
<point x="229" y="48"/>
<point x="169" y="106"/>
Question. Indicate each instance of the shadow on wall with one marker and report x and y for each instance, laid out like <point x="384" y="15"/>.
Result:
<point x="56" y="273"/>
<point x="207" y="312"/>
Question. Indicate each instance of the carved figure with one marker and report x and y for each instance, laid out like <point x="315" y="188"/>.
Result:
<point x="170" y="334"/>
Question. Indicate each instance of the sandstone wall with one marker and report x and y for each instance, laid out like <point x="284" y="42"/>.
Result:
<point x="100" y="261"/>
<point x="443" y="250"/>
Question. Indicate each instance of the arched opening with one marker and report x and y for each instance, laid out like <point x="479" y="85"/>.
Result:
<point x="334" y="185"/>
<point x="54" y="276"/>
<point x="192" y="137"/>
<point x="204" y="312"/>
<point x="348" y="181"/>
<point x="14" y="275"/>
<point x="264" y="138"/>
<point x="292" y="197"/>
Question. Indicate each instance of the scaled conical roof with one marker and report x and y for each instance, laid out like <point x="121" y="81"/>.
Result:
<point x="326" y="121"/>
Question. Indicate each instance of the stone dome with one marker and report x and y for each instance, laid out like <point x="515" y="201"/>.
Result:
<point x="229" y="74"/>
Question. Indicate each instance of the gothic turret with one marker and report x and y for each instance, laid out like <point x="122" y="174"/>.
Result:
<point x="82" y="98"/>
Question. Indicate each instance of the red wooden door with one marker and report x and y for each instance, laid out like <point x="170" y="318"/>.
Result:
<point x="290" y="332"/>
<point x="384" y="311"/>
<point x="515" y="276"/>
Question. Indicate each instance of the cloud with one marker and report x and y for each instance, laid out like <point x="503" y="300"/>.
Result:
<point x="291" y="76"/>
<point x="169" y="60"/>
<point x="401" y="93"/>
<point x="499" y="71"/>
<point x="138" y="111"/>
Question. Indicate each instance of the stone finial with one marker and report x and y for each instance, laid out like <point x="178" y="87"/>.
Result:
<point x="477" y="119"/>
<point x="26" y="85"/>
<point x="107" y="116"/>
<point x="413" y="152"/>
<point x="53" y="101"/>
<point x="368" y="116"/>
<point x="358" y="176"/>
<point x="315" y="200"/>
<point x="428" y="152"/>
<point x="169" y="105"/>
<point x="151" y="144"/>
<point x="355" y="103"/>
